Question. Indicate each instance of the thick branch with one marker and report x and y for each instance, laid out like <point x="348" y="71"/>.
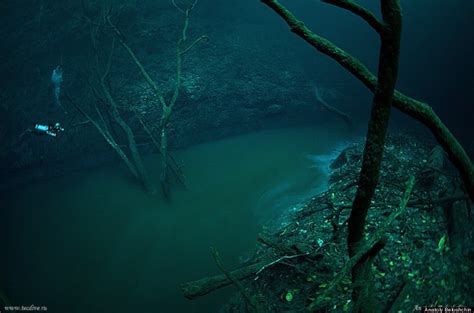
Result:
<point x="204" y="286"/>
<point x="378" y="123"/>
<point x="137" y="62"/>
<point x="414" y="108"/>
<point x="367" y="248"/>
<point x="113" y="107"/>
<point x="251" y="301"/>
<point x="132" y="145"/>
<point x="362" y="294"/>
<point x="193" y="290"/>
<point x="107" y="136"/>
<point x="166" y="107"/>
<point x="175" y="168"/>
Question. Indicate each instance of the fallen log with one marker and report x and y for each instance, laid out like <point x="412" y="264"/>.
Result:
<point x="368" y="249"/>
<point x="204" y="286"/>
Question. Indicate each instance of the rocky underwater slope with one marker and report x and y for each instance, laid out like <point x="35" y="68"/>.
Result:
<point x="422" y="248"/>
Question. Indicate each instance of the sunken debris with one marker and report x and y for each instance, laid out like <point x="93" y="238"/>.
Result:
<point x="428" y="252"/>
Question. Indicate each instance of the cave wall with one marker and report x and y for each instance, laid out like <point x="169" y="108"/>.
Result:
<point x="244" y="79"/>
<point x="252" y="74"/>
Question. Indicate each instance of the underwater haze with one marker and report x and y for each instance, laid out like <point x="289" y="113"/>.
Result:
<point x="93" y="241"/>
<point x="137" y="134"/>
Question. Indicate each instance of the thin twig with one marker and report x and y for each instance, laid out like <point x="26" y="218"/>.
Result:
<point x="344" y="116"/>
<point x="251" y="301"/>
<point x="195" y="42"/>
<point x="366" y="247"/>
<point x="285" y="257"/>
<point x="178" y="7"/>
<point x="365" y="14"/>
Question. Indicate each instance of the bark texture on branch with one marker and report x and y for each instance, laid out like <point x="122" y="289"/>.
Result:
<point x="378" y="123"/>
<point x="369" y="247"/>
<point x="182" y="47"/>
<point x="362" y="278"/>
<point x="196" y="289"/>
<point x="360" y="11"/>
<point x="418" y="110"/>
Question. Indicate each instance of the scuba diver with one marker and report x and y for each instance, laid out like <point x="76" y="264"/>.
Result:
<point x="52" y="130"/>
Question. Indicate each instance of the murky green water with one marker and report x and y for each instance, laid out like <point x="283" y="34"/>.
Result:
<point x="94" y="242"/>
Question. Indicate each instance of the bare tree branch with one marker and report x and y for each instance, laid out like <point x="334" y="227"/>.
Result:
<point x="344" y="116"/>
<point x="418" y="110"/>
<point x="365" y="14"/>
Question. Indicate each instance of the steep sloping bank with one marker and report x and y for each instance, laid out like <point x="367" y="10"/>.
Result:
<point x="291" y="194"/>
<point x="230" y="86"/>
<point x="428" y="256"/>
<point x="75" y="229"/>
<point x="43" y="157"/>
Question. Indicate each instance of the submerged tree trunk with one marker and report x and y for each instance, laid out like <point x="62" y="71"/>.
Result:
<point x="164" y="179"/>
<point x="167" y="107"/>
<point x="390" y="32"/>
<point x="104" y="131"/>
<point x="101" y="91"/>
<point x="141" y="171"/>
<point x="418" y="110"/>
<point x="378" y="123"/>
<point x="362" y="294"/>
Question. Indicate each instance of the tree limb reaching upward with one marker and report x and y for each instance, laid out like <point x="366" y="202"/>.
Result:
<point x="166" y="106"/>
<point x="367" y="246"/>
<point x="418" y="110"/>
<point x="362" y="292"/>
<point x="360" y="11"/>
<point x="100" y="87"/>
